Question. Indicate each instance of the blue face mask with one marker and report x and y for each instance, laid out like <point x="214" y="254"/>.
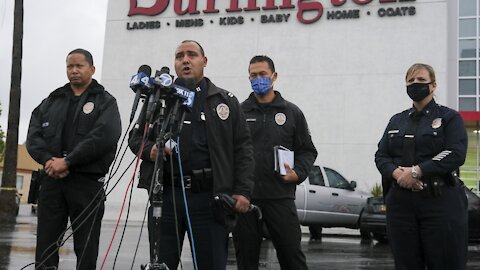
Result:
<point x="261" y="85"/>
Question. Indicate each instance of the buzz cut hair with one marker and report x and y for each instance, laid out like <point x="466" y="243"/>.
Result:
<point x="87" y="54"/>
<point x="196" y="42"/>
<point x="263" y="58"/>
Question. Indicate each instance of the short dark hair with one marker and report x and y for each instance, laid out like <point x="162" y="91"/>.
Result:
<point x="263" y="58"/>
<point x="87" y="54"/>
<point x="196" y="42"/>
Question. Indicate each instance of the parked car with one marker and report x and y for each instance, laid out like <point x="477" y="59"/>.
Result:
<point x="373" y="219"/>
<point x="327" y="199"/>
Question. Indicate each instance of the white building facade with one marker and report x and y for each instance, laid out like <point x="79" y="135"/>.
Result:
<point x="343" y="62"/>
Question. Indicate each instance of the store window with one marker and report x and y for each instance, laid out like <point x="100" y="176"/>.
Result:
<point x="467" y="48"/>
<point x="468" y="27"/>
<point x="467" y="8"/>
<point x="467" y="87"/>
<point x="467" y="104"/>
<point x="467" y="68"/>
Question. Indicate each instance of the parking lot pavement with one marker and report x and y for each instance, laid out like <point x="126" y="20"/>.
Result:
<point x="338" y="249"/>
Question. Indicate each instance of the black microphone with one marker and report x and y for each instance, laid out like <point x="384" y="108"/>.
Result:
<point x="161" y="82"/>
<point x="140" y="84"/>
<point x="184" y="88"/>
<point x="187" y="83"/>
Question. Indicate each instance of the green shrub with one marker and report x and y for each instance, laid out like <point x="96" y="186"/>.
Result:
<point x="377" y="190"/>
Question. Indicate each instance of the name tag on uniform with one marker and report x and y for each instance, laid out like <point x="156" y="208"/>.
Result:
<point x="186" y="122"/>
<point x="394" y="131"/>
<point x="251" y="120"/>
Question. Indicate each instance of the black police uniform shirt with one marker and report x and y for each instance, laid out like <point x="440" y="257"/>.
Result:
<point x="440" y="141"/>
<point x="200" y="157"/>
<point x="194" y="151"/>
<point x="69" y="128"/>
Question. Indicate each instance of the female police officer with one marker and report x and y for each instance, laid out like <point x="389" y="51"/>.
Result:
<point x="418" y="155"/>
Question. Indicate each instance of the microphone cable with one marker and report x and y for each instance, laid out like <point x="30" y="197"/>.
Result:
<point x="124" y="226"/>
<point x="110" y="175"/>
<point x="194" y="253"/>
<point x="144" y="140"/>
<point x="175" y="214"/>
<point x="124" y="198"/>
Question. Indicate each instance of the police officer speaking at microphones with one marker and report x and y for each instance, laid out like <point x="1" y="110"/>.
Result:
<point x="213" y="153"/>
<point x="74" y="134"/>
<point x="273" y="122"/>
<point x="418" y="156"/>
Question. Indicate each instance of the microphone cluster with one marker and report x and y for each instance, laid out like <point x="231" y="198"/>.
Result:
<point x="160" y="88"/>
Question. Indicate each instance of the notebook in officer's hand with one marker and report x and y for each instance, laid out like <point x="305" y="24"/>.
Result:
<point x="282" y="155"/>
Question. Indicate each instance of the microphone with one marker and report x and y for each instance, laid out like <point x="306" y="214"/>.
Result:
<point x="161" y="81"/>
<point x="183" y="90"/>
<point x="163" y="78"/>
<point x="140" y="84"/>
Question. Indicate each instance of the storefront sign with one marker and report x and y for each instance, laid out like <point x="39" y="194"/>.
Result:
<point x="307" y="12"/>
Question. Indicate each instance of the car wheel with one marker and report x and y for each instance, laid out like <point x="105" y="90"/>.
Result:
<point x="315" y="232"/>
<point x="380" y="238"/>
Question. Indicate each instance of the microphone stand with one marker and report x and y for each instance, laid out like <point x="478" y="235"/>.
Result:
<point x="157" y="178"/>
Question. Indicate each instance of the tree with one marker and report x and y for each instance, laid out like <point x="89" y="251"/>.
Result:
<point x="8" y="188"/>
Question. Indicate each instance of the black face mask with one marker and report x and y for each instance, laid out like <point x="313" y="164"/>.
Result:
<point x="418" y="91"/>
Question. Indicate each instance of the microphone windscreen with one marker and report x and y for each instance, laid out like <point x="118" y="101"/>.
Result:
<point x="146" y="69"/>
<point x="187" y="83"/>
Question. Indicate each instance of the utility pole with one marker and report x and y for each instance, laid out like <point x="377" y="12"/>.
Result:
<point x="8" y="189"/>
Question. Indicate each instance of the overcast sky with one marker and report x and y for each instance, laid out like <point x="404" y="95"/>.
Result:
<point x="52" y="29"/>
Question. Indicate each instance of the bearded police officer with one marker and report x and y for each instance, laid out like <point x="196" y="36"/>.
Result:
<point x="74" y="134"/>
<point x="273" y="121"/>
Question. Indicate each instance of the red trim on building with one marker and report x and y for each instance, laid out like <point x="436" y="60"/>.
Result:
<point x="470" y="115"/>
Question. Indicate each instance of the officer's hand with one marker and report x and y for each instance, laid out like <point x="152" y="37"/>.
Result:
<point x="154" y="152"/>
<point x="61" y="175"/>
<point x="167" y="151"/>
<point x="418" y="185"/>
<point x="291" y="176"/>
<point x="242" y="205"/>
<point x="48" y="167"/>
<point x="404" y="178"/>
<point x="397" y="173"/>
<point x="56" y="167"/>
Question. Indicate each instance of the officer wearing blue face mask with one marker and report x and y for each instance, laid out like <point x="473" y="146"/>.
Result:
<point x="273" y="121"/>
<point x="418" y="156"/>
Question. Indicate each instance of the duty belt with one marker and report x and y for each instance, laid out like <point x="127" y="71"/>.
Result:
<point x="200" y="180"/>
<point x="433" y="184"/>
